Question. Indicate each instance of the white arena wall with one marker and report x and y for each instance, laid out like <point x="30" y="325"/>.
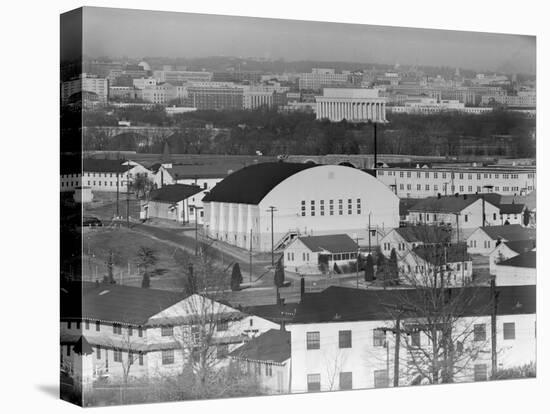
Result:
<point x="233" y="222"/>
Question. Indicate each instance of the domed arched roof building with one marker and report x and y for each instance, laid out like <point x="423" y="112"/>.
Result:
<point x="308" y="199"/>
<point x="145" y="65"/>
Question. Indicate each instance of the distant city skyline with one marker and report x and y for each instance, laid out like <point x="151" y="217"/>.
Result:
<point x="138" y="33"/>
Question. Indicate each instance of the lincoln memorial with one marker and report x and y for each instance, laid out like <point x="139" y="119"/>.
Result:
<point x="354" y="105"/>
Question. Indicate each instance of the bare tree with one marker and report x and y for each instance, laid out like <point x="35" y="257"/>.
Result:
<point x="442" y="329"/>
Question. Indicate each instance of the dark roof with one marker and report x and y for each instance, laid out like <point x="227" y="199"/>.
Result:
<point x="348" y="304"/>
<point x="101" y="165"/>
<point x="271" y="346"/>
<point x="527" y="259"/>
<point x="424" y="234"/>
<point x="251" y="184"/>
<point x="116" y="303"/>
<point x="405" y="205"/>
<point x="333" y="243"/>
<point x="216" y="170"/>
<point x="510" y="232"/>
<point x="511" y="208"/>
<point x="174" y="193"/>
<point x="521" y="246"/>
<point x="273" y="312"/>
<point x="453" y="204"/>
<point x="437" y="254"/>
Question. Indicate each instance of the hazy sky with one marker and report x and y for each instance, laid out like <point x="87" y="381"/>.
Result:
<point x="136" y="33"/>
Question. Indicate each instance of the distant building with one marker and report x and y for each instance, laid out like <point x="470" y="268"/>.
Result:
<point x="323" y="78"/>
<point x="354" y="105"/>
<point x="267" y="359"/>
<point x="406" y="239"/>
<point x="142" y="83"/>
<point x="320" y="254"/>
<point x="178" y="76"/>
<point x="485" y="239"/>
<point x="215" y="98"/>
<point x="170" y="202"/>
<point x="160" y="94"/>
<point x="85" y="83"/>
<point x="519" y="270"/>
<point x="507" y="250"/>
<point x="421" y="180"/>
<point x="240" y="206"/>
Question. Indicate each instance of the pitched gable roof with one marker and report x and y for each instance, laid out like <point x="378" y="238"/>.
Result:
<point x="103" y="165"/>
<point x="214" y="170"/>
<point x="113" y="303"/>
<point x="174" y="193"/>
<point x="527" y="259"/>
<point x="511" y="208"/>
<point x="424" y="234"/>
<point x="453" y="204"/>
<point x="271" y="346"/>
<point x="521" y="246"/>
<point x="510" y="232"/>
<point x="333" y="243"/>
<point x="251" y="184"/>
<point x="443" y="254"/>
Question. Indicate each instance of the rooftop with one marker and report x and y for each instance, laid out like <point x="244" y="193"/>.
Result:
<point x="443" y="254"/>
<point x="510" y="232"/>
<point x="333" y="243"/>
<point x="174" y="193"/>
<point x="424" y="234"/>
<point x="521" y="246"/>
<point x="271" y="346"/>
<point x="336" y="303"/>
<point x="217" y="170"/>
<point x="251" y="184"/>
<point x="511" y="208"/>
<point x="454" y="203"/>
<point x="527" y="260"/>
<point x="103" y="165"/>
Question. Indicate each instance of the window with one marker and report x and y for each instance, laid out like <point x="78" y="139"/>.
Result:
<point x="167" y="356"/>
<point x="117" y="355"/>
<point x="268" y="370"/>
<point x="68" y="350"/>
<point x="479" y="332"/>
<point x="130" y="331"/>
<point x="97" y="326"/>
<point x="379" y="337"/>
<point x="480" y="372"/>
<point x="98" y="352"/>
<point x="140" y="332"/>
<point x="314" y="382"/>
<point x="509" y="330"/>
<point x="346" y="382"/>
<point x="69" y="325"/>
<point x="415" y="339"/>
<point x="167" y="331"/>
<point x="140" y="358"/>
<point x="221" y="326"/>
<point x="117" y="329"/>
<point x="313" y="340"/>
<point x="380" y="378"/>
<point x="344" y="339"/>
<point x="331" y="207"/>
<point x="222" y="351"/>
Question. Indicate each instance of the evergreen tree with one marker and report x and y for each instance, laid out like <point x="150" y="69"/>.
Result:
<point x="393" y="268"/>
<point x="302" y="287"/>
<point x="145" y="281"/>
<point x="236" y="277"/>
<point x="279" y="277"/>
<point x="369" y="269"/>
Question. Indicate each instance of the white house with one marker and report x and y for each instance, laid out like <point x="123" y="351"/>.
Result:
<point x="507" y="250"/>
<point x="152" y="332"/>
<point x="512" y="213"/>
<point x="464" y="212"/>
<point x="518" y="270"/>
<point x="172" y="202"/>
<point x="341" y="338"/>
<point x="425" y="265"/>
<point x="485" y="239"/>
<point x="299" y="199"/>
<point x="267" y="358"/>
<point x="405" y="239"/>
<point x="320" y="254"/>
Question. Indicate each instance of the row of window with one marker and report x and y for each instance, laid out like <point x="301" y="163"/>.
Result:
<point x="331" y="209"/>
<point x="346" y="380"/>
<point x="313" y="339"/>
<point x="117" y="328"/>
<point x="452" y="175"/>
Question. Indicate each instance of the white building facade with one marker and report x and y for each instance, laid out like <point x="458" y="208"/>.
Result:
<point x="354" y="105"/>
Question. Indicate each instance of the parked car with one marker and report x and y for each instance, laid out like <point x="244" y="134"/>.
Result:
<point x="90" y="221"/>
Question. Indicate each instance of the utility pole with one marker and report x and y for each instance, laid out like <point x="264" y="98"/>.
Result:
<point x="272" y="209"/>
<point x="482" y="210"/>
<point x="196" y="210"/>
<point x="128" y="195"/>
<point x="250" y="272"/>
<point x="369" y="235"/>
<point x="117" y="194"/>
<point x="375" y="147"/>
<point x="396" y="351"/>
<point x="357" y="262"/>
<point x="494" y="299"/>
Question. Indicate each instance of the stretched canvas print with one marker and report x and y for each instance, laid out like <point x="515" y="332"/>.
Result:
<point x="258" y="206"/>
